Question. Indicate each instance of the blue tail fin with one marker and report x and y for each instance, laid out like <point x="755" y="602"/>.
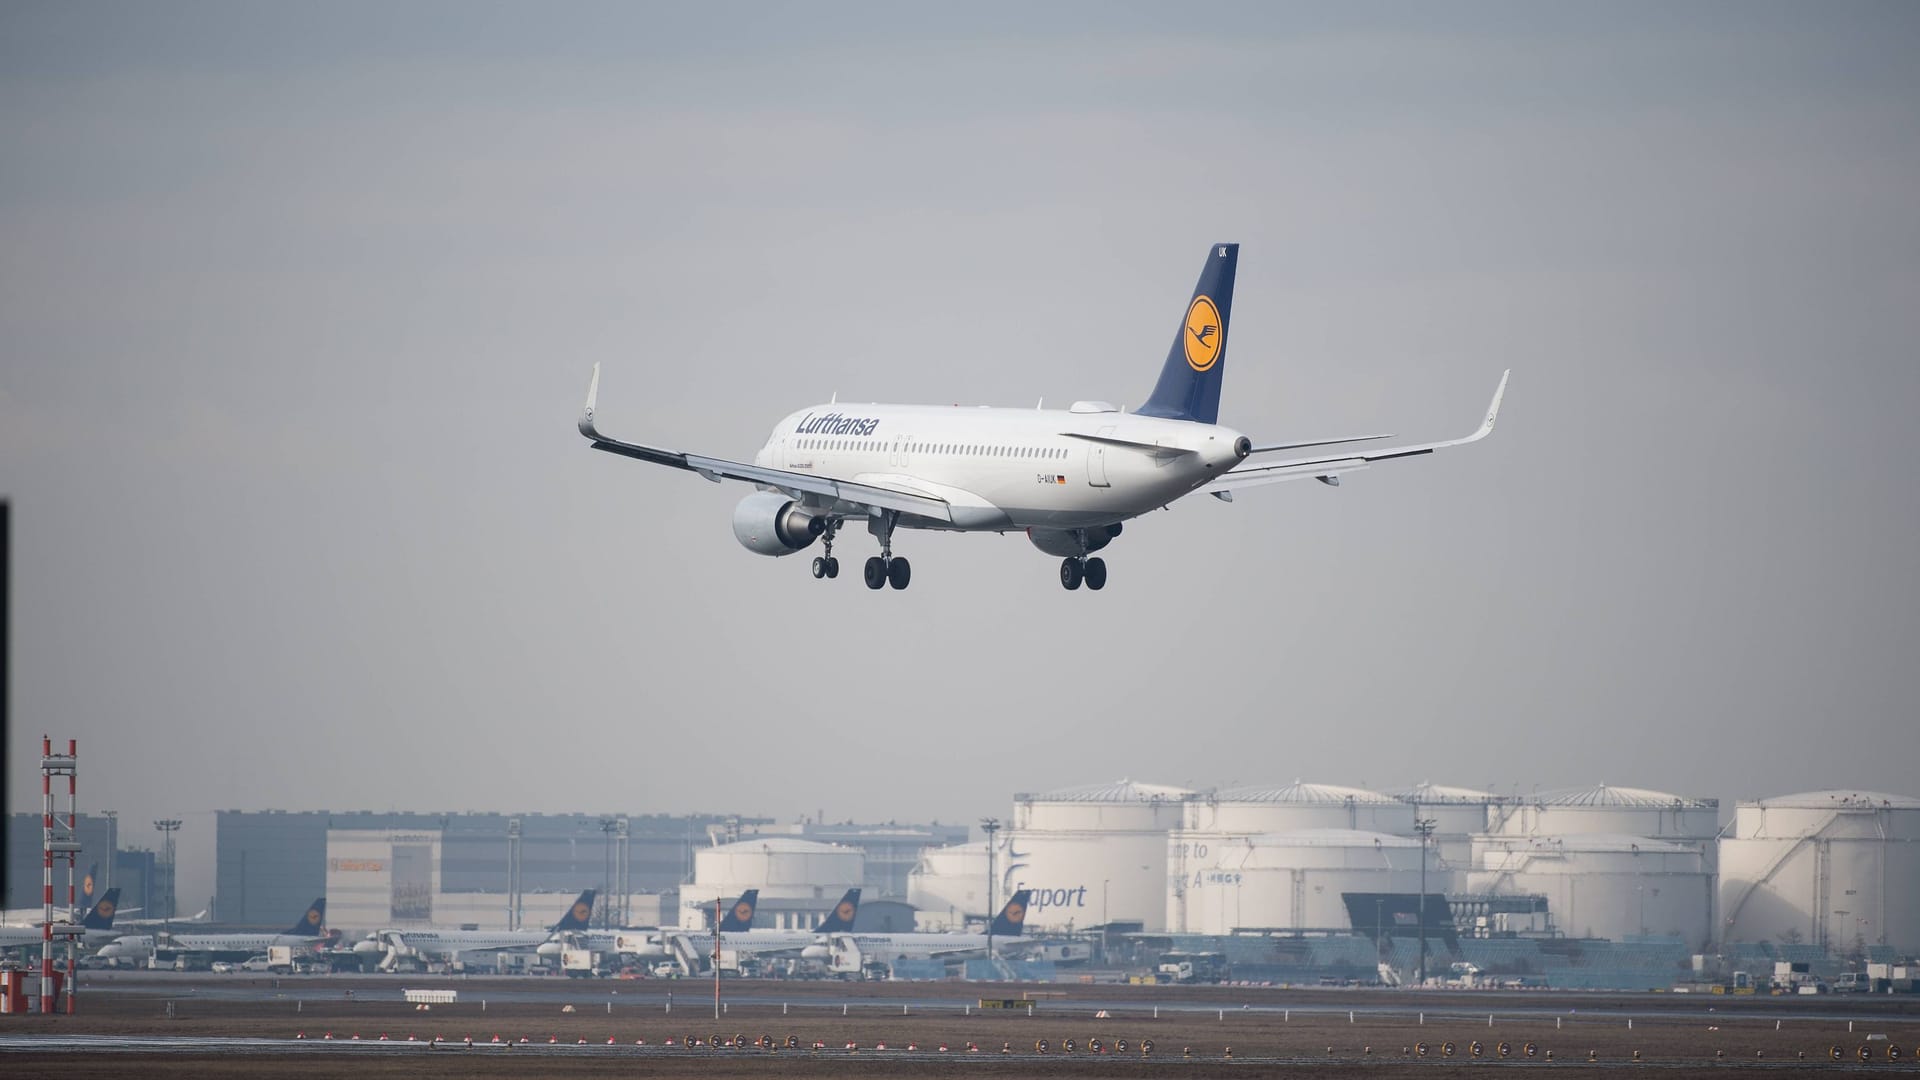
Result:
<point x="100" y="915"/>
<point x="1189" y="386"/>
<point x="740" y="916"/>
<point x="1014" y="915"/>
<point x="579" y="916"/>
<point x="313" y="922"/>
<point x="841" y="919"/>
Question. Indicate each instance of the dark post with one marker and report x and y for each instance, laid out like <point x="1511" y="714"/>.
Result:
<point x="990" y="826"/>
<point x="1423" y="826"/>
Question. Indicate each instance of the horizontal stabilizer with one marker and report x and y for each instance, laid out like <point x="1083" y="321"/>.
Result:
<point x="1130" y="444"/>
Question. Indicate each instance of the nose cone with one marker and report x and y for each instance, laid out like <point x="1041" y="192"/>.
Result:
<point x="816" y="952"/>
<point x="550" y="948"/>
<point x="367" y="946"/>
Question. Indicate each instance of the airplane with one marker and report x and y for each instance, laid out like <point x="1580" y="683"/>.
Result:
<point x="309" y="930"/>
<point x="740" y="940"/>
<point x="96" y="926"/>
<point x="1069" y="479"/>
<point x="448" y="945"/>
<point x="645" y="942"/>
<point x="849" y="952"/>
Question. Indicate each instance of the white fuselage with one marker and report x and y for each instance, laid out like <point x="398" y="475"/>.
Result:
<point x="141" y="946"/>
<point x="449" y="944"/>
<point x="847" y="952"/>
<point x="14" y="937"/>
<point x="1003" y="469"/>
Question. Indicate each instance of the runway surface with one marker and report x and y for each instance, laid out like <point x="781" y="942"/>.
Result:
<point x="169" y="1024"/>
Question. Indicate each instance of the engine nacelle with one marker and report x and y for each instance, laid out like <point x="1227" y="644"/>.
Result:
<point x="768" y="523"/>
<point x="1073" y="543"/>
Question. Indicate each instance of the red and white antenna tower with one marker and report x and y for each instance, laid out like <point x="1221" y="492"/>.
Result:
<point x="59" y="839"/>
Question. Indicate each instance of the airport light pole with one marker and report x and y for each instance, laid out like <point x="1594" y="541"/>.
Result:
<point x="167" y="827"/>
<point x="1423" y="826"/>
<point x="606" y="870"/>
<point x="990" y="825"/>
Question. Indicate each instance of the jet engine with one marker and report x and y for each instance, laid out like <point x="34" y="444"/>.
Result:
<point x="768" y="523"/>
<point x="1072" y="543"/>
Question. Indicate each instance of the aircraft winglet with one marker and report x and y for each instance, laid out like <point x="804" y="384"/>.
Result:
<point x="593" y="395"/>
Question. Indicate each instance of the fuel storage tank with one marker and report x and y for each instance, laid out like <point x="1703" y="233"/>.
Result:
<point x="1619" y="811"/>
<point x="799" y="880"/>
<point x="1293" y="880"/>
<point x="1091" y="854"/>
<point x="1603" y="885"/>
<point x="1833" y="868"/>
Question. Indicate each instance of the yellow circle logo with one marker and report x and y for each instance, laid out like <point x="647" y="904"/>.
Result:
<point x="105" y="908"/>
<point x="313" y="916"/>
<point x="1015" y="912"/>
<point x="580" y="912"/>
<point x="844" y="912"/>
<point x="1202" y="334"/>
<point x="743" y="912"/>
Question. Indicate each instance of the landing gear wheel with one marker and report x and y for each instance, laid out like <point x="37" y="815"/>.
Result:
<point x="819" y="567"/>
<point x="1070" y="573"/>
<point x="833" y="567"/>
<point x="899" y="573"/>
<point x="1096" y="571"/>
<point x="876" y="573"/>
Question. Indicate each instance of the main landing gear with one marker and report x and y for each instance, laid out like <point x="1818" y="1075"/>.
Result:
<point x="1092" y="571"/>
<point x="825" y="565"/>
<point x="883" y="569"/>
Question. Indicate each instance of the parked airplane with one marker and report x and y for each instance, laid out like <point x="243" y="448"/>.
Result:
<point x="308" y="930"/>
<point x="644" y="942"/>
<point x="850" y="952"/>
<point x="449" y="945"/>
<point x="1068" y="479"/>
<point x="739" y="939"/>
<point x="97" y="924"/>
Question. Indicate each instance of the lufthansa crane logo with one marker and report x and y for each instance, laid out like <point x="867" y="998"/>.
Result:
<point x="1017" y="913"/>
<point x="313" y="916"/>
<point x="743" y="912"/>
<point x="105" y="908"/>
<point x="1202" y="334"/>
<point x="580" y="912"/>
<point x="844" y="912"/>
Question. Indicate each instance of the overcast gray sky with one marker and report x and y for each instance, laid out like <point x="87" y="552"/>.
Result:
<point x="298" y="303"/>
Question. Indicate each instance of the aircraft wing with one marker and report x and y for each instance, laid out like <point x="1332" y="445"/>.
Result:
<point x="1328" y="467"/>
<point x="793" y="483"/>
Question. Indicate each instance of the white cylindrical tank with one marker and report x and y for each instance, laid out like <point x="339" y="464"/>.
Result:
<point x="1268" y="808"/>
<point x="789" y="873"/>
<point x="947" y="885"/>
<point x="1617" y="811"/>
<point x="1091" y="855"/>
<point x="1296" y="880"/>
<point x="1458" y="814"/>
<point x="1601" y="885"/>
<point x="1831" y="868"/>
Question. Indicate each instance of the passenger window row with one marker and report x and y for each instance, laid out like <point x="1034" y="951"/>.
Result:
<point x="947" y="449"/>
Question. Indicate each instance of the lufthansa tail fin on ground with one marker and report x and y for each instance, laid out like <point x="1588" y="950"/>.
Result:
<point x="740" y="916"/>
<point x="579" y="916"/>
<point x="312" y="922"/>
<point x="840" y="920"/>
<point x="100" y="915"/>
<point x="1189" y="386"/>
<point x="1013" y="916"/>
